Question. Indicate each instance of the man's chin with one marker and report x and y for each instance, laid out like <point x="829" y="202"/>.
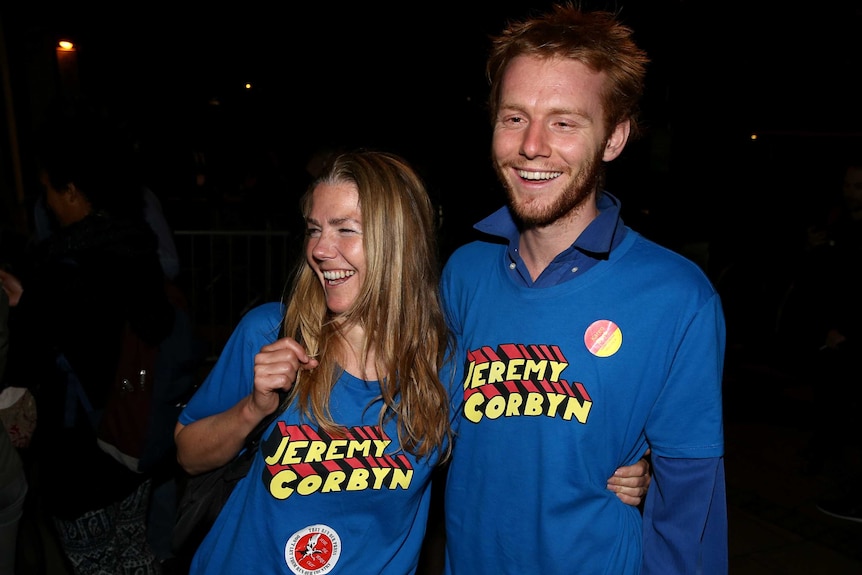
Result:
<point x="531" y="216"/>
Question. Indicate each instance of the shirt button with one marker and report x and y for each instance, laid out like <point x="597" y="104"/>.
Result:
<point x="574" y="269"/>
<point x="512" y="266"/>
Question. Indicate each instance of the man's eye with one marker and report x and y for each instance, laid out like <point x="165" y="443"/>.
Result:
<point x="312" y="232"/>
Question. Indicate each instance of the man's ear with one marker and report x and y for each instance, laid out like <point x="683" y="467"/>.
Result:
<point x="617" y="140"/>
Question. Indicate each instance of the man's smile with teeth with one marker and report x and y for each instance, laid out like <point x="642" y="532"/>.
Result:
<point x="338" y="275"/>
<point x="539" y="175"/>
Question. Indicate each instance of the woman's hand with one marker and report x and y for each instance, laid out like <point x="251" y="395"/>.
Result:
<point x="277" y="367"/>
<point x="631" y="482"/>
<point x="216" y="439"/>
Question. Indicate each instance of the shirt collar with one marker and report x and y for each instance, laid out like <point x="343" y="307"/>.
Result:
<point x="597" y="240"/>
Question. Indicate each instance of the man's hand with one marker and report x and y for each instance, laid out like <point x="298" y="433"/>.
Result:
<point x="631" y="482"/>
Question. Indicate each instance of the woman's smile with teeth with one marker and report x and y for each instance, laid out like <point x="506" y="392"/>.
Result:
<point x="338" y="275"/>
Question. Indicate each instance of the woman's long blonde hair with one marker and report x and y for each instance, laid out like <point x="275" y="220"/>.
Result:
<point x="398" y="305"/>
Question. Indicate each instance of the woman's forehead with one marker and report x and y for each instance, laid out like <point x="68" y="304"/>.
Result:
<point x="335" y="201"/>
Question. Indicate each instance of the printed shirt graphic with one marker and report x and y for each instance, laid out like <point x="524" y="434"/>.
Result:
<point x="312" y="504"/>
<point x="561" y="385"/>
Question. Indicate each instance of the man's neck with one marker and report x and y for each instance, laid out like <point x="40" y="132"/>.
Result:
<point x="539" y="246"/>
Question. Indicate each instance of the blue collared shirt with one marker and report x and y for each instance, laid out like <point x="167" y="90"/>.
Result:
<point x="594" y="244"/>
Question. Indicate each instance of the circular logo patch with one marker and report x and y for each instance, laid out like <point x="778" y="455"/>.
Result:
<point x="603" y="338"/>
<point x="313" y="551"/>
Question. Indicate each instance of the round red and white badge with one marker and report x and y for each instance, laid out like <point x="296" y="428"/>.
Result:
<point x="313" y="551"/>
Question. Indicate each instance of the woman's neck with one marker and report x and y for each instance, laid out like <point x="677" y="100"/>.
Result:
<point x="350" y="352"/>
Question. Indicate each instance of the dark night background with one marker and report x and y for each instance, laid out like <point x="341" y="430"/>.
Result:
<point x="409" y="77"/>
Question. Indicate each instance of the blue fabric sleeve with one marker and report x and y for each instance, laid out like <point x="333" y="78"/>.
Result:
<point x="691" y="399"/>
<point x="232" y="377"/>
<point x="685" y="518"/>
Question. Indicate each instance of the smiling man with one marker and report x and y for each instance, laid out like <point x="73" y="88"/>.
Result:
<point x="582" y="344"/>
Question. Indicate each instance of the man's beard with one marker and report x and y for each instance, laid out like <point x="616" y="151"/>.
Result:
<point x="571" y="198"/>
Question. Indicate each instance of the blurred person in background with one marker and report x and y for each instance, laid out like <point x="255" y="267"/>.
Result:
<point x="822" y="324"/>
<point x="71" y="297"/>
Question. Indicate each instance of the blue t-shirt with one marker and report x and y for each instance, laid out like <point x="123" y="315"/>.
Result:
<point x="563" y="384"/>
<point x="312" y="503"/>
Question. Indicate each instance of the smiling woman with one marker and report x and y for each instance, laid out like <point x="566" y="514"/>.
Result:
<point x="334" y="246"/>
<point x="368" y="420"/>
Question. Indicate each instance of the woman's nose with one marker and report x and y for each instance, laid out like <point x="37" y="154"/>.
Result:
<point x="321" y="248"/>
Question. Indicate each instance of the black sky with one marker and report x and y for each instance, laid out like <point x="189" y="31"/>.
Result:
<point x="409" y="77"/>
<point x="765" y="63"/>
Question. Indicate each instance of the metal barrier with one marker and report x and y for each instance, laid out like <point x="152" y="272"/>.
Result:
<point x="226" y="273"/>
